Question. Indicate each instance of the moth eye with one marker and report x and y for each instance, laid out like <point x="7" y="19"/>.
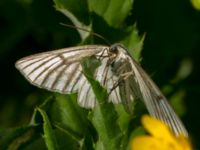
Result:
<point x="114" y="49"/>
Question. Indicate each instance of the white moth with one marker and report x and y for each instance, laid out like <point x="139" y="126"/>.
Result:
<point x="61" y="71"/>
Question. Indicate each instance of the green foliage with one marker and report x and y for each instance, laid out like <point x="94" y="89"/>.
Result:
<point x="114" y="12"/>
<point x="49" y="135"/>
<point x="59" y="123"/>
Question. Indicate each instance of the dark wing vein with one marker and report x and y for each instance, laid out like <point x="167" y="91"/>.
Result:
<point x="155" y="102"/>
<point x="55" y="70"/>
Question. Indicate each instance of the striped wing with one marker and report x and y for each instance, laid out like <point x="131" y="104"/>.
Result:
<point x="107" y="79"/>
<point x="127" y="89"/>
<point x="155" y="101"/>
<point x="135" y="83"/>
<point x="61" y="71"/>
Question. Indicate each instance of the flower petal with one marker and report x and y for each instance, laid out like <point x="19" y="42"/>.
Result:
<point x="156" y="128"/>
<point x="160" y="138"/>
<point x="184" y="142"/>
<point x="145" y="143"/>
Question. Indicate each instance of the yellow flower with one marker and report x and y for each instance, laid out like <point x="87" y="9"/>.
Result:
<point x="196" y="4"/>
<point x="160" y="138"/>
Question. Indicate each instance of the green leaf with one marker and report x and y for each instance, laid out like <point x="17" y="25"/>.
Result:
<point x="77" y="7"/>
<point x="104" y="118"/>
<point x="113" y="11"/>
<point x="65" y="140"/>
<point x="133" y="42"/>
<point x="123" y="117"/>
<point x="67" y="114"/>
<point x="77" y="12"/>
<point x="49" y="135"/>
<point x="69" y="120"/>
<point x="18" y="138"/>
<point x="104" y="121"/>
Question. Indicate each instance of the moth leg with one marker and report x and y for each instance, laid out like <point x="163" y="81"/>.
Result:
<point x="125" y="91"/>
<point x="115" y="85"/>
<point x="126" y="75"/>
<point x="123" y="76"/>
<point x="102" y="54"/>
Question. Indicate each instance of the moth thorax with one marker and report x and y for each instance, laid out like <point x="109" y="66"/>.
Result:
<point x="119" y="65"/>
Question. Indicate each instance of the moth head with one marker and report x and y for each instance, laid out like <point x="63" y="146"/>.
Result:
<point x="118" y="50"/>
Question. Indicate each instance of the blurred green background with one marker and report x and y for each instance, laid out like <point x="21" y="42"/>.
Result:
<point x="170" y="53"/>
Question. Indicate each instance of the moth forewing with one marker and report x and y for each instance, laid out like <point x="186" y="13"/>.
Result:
<point x="141" y="86"/>
<point x="54" y="70"/>
<point x="61" y="71"/>
<point x="155" y="101"/>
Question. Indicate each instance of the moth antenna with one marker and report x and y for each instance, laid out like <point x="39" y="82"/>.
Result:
<point x="92" y="33"/>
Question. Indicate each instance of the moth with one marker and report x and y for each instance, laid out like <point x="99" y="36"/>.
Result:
<point x="125" y="80"/>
